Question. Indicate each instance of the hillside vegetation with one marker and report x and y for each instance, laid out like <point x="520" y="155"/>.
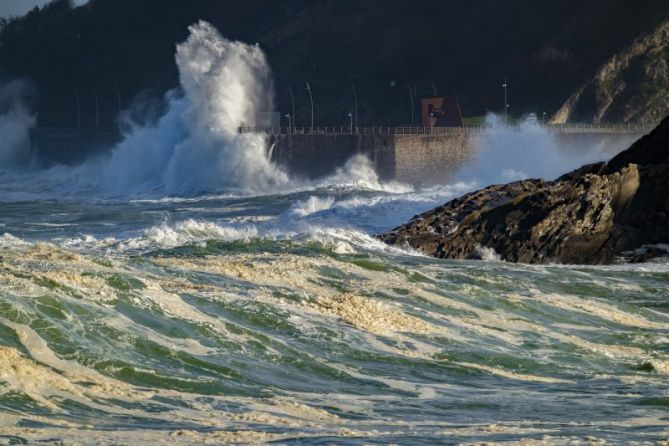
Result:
<point x="123" y="51"/>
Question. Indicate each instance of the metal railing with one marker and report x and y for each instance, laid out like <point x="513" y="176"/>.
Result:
<point x="387" y="130"/>
<point x="381" y="130"/>
<point x="602" y="128"/>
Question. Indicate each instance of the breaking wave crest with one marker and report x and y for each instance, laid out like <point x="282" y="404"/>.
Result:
<point x="196" y="147"/>
<point x="358" y="173"/>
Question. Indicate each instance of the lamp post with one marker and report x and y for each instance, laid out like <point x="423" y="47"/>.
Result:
<point x="355" y="102"/>
<point x="120" y="105"/>
<point x="290" y="124"/>
<point x="76" y="97"/>
<point x="311" y="98"/>
<point x="506" y="101"/>
<point x="412" y="101"/>
<point x="97" y="108"/>
<point x="350" y="117"/>
<point x="292" y="101"/>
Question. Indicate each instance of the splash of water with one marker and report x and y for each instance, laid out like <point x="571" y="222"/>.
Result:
<point x="527" y="150"/>
<point x="15" y="124"/>
<point x="359" y="173"/>
<point x="195" y="146"/>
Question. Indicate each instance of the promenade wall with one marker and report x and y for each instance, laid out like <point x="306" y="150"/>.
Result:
<point x="418" y="159"/>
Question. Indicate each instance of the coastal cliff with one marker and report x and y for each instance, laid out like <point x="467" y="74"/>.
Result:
<point x="592" y="215"/>
<point x="632" y="86"/>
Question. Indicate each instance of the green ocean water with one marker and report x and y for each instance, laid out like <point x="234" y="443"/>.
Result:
<point x="279" y="319"/>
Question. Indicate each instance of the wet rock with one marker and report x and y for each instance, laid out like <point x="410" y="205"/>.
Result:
<point x="645" y="254"/>
<point x="591" y="215"/>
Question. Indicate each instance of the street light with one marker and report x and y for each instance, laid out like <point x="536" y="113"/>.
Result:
<point x="97" y="108"/>
<point x="290" y="125"/>
<point x="506" y="101"/>
<point x="311" y="98"/>
<point x="120" y="105"/>
<point x="292" y="101"/>
<point x="350" y="117"/>
<point x="76" y="97"/>
<point x="355" y="100"/>
<point x="412" y="101"/>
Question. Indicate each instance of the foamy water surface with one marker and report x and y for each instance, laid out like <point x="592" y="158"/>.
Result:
<point x="182" y="289"/>
<point x="280" y="319"/>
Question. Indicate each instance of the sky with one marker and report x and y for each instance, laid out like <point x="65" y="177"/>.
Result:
<point x="20" y="7"/>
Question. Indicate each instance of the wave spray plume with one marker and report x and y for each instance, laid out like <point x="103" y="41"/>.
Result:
<point x="15" y="124"/>
<point x="196" y="146"/>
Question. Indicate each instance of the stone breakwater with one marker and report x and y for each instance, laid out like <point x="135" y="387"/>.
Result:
<point x="592" y="215"/>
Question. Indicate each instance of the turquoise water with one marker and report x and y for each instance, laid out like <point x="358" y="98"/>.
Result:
<point x="279" y="319"/>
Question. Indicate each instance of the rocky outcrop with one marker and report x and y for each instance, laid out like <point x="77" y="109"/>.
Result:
<point x="632" y="86"/>
<point x="592" y="215"/>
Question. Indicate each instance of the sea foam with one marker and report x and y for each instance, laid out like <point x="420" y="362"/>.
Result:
<point x="196" y="147"/>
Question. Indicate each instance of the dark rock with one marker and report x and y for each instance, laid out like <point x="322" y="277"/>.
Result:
<point x="591" y="215"/>
<point x="645" y="254"/>
<point x="595" y="168"/>
<point x="650" y="149"/>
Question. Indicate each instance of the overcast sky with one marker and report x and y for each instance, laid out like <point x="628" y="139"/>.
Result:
<point x="20" y="7"/>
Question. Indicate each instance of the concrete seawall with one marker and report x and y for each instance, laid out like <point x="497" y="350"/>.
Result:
<point x="609" y="144"/>
<point x="314" y="156"/>
<point x="426" y="160"/>
<point x="417" y="156"/>
<point x="418" y="159"/>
